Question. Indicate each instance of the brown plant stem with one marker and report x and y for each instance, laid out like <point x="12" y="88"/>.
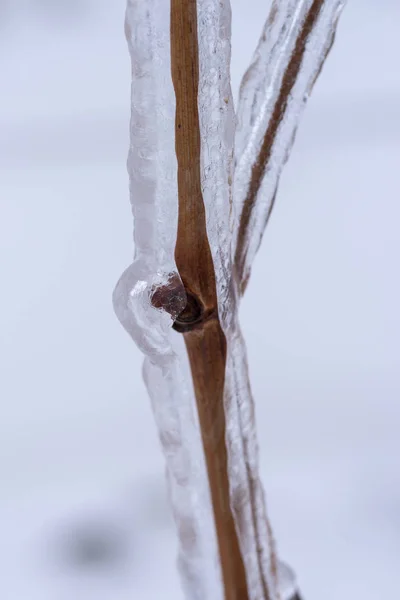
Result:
<point x="199" y="322"/>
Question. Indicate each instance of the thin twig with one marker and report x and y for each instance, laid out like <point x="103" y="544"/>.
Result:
<point x="199" y="322"/>
<point x="261" y="164"/>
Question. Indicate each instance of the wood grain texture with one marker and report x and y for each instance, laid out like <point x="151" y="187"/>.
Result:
<point x="199" y="322"/>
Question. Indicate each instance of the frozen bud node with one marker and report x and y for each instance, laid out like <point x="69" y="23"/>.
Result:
<point x="192" y="315"/>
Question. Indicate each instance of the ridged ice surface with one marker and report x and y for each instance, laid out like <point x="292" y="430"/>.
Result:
<point x="272" y="96"/>
<point x="149" y="280"/>
<point x="274" y="93"/>
<point x="217" y="130"/>
<point x="150" y="295"/>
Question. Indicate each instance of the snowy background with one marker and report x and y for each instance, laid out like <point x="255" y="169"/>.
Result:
<point x="83" y="508"/>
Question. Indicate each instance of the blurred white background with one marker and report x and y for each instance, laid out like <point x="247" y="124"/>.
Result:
<point x="84" y="513"/>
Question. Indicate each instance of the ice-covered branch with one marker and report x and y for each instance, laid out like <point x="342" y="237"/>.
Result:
<point x="193" y="258"/>
<point x="293" y="46"/>
<point x="150" y="295"/>
<point x="200" y="38"/>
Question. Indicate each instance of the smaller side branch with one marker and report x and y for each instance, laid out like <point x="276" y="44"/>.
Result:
<point x="307" y="25"/>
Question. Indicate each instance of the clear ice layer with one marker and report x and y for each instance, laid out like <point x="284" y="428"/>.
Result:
<point x="273" y="92"/>
<point x="150" y="294"/>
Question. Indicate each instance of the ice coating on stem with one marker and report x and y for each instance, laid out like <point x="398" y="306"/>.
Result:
<point x="217" y="136"/>
<point x="150" y="294"/>
<point x="247" y="495"/>
<point x="217" y="129"/>
<point x="186" y="476"/>
<point x="293" y="46"/>
<point x="290" y="54"/>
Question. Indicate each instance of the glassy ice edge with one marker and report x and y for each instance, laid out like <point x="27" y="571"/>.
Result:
<point x="154" y="197"/>
<point x="153" y="189"/>
<point x="258" y="95"/>
<point x="259" y="91"/>
<point x="217" y="136"/>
